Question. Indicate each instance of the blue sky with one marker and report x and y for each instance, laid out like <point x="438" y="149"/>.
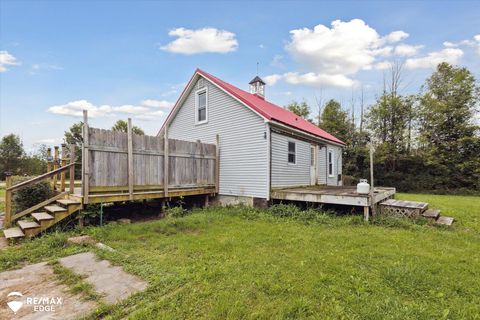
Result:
<point x="132" y="58"/>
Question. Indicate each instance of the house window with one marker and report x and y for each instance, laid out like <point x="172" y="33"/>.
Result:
<point x="201" y="112"/>
<point x="292" y="152"/>
<point x="330" y="163"/>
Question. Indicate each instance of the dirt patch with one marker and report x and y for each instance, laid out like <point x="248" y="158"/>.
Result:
<point x="3" y="242"/>
<point x="38" y="281"/>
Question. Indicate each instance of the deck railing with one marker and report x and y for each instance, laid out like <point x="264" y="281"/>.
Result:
<point x="122" y="166"/>
<point x="59" y="166"/>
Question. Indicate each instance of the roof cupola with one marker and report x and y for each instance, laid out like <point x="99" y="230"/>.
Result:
<point x="257" y="87"/>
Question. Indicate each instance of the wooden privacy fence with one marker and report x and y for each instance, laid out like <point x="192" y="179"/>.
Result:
<point x="119" y="162"/>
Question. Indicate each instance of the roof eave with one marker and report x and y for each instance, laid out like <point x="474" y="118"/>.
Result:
<point x="305" y="134"/>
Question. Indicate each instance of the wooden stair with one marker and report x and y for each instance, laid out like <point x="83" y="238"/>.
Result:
<point x="37" y="222"/>
<point x="414" y="208"/>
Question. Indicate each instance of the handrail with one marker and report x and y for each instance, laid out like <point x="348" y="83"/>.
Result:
<point x="38" y="206"/>
<point x="39" y="178"/>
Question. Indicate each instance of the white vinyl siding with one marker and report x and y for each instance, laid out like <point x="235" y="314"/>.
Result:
<point x="285" y="174"/>
<point x="243" y="146"/>
<point x="323" y="175"/>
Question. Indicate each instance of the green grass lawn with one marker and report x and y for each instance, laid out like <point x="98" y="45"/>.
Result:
<point x="241" y="263"/>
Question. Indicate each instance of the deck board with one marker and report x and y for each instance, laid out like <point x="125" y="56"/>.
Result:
<point x="331" y="195"/>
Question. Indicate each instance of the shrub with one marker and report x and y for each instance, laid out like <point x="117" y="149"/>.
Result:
<point x="90" y="214"/>
<point x="176" y="212"/>
<point x="29" y="196"/>
<point x="284" y="210"/>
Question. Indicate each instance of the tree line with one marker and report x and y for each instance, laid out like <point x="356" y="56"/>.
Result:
<point x="15" y="160"/>
<point x="428" y="141"/>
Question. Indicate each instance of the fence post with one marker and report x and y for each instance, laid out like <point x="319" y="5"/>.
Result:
<point x="55" y="166"/>
<point x="217" y="164"/>
<point x="85" y="159"/>
<point x="72" y="169"/>
<point x="130" y="158"/>
<point x="49" y="161"/>
<point x="8" y="199"/>
<point x="64" y="163"/>
<point x="165" y="162"/>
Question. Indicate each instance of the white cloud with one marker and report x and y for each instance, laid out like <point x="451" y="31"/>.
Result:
<point x="157" y="103"/>
<point x="431" y="60"/>
<point x="147" y="110"/>
<point x="383" y="65"/>
<point x="331" y="56"/>
<point x="277" y="61"/>
<point x="312" y="79"/>
<point x="407" y="50"/>
<point x="6" y="59"/>
<point x="474" y="42"/>
<point x="272" y="79"/>
<point x="345" y="48"/>
<point x="201" y="41"/>
<point x="477" y="39"/>
<point x="395" y="36"/>
<point x="36" y="68"/>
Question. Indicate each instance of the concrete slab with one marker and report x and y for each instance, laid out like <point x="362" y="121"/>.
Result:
<point x="81" y="239"/>
<point x="38" y="281"/>
<point x="111" y="281"/>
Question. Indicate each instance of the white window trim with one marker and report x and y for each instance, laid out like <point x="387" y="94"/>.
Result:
<point x="330" y="151"/>
<point x="197" y="93"/>
<point x="288" y="153"/>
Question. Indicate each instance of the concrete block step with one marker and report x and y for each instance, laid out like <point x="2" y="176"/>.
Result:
<point x="446" y="221"/>
<point x="55" y="209"/>
<point x="14" y="232"/>
<point x="39" y="216"/>
<point x="67" y="202"/>
<point x="431" y="213"/>
<point x="27" y="224"/>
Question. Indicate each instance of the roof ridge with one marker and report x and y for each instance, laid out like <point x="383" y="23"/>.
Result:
<point x="270" y="110"/>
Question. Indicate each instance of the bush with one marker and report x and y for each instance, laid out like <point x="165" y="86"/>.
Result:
<point x="176" y="212"/>
<point x="284" y="210"/>
<point x="31" y="195"/>
<point x="90" y="214"/>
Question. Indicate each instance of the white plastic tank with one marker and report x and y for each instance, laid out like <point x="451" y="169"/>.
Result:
<point x="363" y="187"/>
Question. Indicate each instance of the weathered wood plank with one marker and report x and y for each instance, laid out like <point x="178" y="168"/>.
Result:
<point x="130" y="158"/>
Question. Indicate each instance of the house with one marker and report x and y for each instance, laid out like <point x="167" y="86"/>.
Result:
<point x="262" y="146"/>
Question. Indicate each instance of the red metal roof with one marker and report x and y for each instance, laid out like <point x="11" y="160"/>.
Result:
<point x="271" y="111"/>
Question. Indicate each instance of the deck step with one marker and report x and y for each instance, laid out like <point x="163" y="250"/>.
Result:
<point x="14" y="232"/>
<point x="405" y="204"/>
<point x="67" y="202"/>
<point x="27" y="224"/>
<point x="431" y="213"/>
<point x="39" y="216"/>
<point x="55" y="209"/>
<point x="446" y="221"/>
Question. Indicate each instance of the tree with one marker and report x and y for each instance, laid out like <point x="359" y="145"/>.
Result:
<point x="390" y="120"/>
<point x="74" y="137"/>
<point x="36" y="162"/>
<point x="300" y="109"/>
<point x="335" y="121"/>
<point x="448" y="135"/>
<point x="122" y="126"/>
<point x="11" y="154"/>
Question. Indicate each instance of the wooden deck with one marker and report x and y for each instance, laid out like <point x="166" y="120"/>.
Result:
<point x="109" y="196"/>
<point x="332" y="195"/>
